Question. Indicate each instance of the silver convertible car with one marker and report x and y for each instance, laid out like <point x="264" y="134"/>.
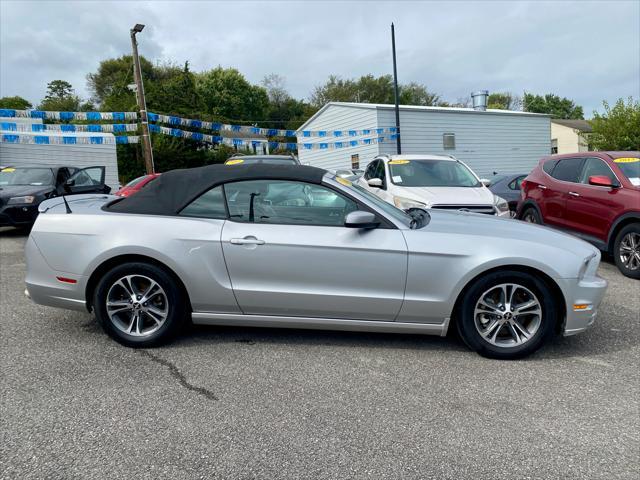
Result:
<point x="296" y="246"/>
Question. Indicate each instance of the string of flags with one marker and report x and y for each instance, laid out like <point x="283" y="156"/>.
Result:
<point x="68" y="127"/>
<point x="67" y="139"/>
<point x="267" y="132"/>
<point x="47" y="115"/>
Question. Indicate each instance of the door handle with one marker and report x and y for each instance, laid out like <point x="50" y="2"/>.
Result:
<point x="246" y="241"/>
<point x="543" y="187"/>
<point x="574" y="194"/>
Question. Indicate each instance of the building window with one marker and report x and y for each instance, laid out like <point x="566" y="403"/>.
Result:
<point x="554" y="145"/>
<point x="449" y="141"/>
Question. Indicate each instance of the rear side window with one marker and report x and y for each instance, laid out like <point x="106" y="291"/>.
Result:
<point x="208" y="205"/>
<point x="568" y="169"/>
<point x="516" y="183"/>
<point x="548" y="166"/>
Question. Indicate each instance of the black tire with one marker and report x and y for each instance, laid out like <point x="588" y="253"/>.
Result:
<point x="531" y="215"/>
<point x="634" y="271"/>
<point x="175" y="308"/>
<point x="466" y="322"/>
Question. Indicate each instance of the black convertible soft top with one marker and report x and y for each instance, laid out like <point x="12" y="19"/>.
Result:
<point x="174" y="190"/>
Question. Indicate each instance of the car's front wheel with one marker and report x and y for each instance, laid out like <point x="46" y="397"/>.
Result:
<point x="139" y="304"/>
<point x="626" y="250"/>
<point x="507" y="315"/>
<point x="531" y="215"/>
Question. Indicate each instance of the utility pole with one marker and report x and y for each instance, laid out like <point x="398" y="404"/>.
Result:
<point x="395" y="88"/>
<point x="142" y="104"/>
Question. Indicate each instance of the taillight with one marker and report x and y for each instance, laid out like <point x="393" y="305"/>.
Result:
<point x="523" y="184"/>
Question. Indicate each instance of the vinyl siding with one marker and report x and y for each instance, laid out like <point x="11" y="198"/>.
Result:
<point x="486" y="141"/>
<point x="339" y="117"/>
<point x="569" y="140"/>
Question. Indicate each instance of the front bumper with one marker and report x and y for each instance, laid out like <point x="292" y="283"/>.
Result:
<point x="583" y="298"/>
<point x="18" y="215"/>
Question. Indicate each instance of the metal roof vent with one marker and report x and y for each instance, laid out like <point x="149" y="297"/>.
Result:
<point x="479" y="99"/>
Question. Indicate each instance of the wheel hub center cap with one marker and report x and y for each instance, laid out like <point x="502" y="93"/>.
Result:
<point x="136" y="306"/>
<point x="508" y="315"/>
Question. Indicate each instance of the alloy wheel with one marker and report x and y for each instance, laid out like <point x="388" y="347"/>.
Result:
<point x="137" y="305"/>
<point x="529" y="217"/>
<point x="630" y="251"/>
<point x="507" y="315"/>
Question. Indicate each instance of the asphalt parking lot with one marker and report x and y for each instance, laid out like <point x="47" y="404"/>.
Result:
<point x="260" y="403"/>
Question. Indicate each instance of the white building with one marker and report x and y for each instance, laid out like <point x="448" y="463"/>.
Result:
<point x="488" y="141"/>
<point x="78" y="155"/>
<point x="569" y="136"/>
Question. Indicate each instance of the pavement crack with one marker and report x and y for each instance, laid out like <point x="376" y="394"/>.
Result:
<point x="177" y="374"/>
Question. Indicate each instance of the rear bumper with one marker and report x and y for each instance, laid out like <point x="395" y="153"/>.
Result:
<point x="583" y="298"/>
<point x="43" y="287"/>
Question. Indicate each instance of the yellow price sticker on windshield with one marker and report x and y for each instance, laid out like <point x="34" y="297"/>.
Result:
<point x="8" y="169"/>
<point x="398" y="162"/>
<point x="627" y="160"/>
<point x="343" y="181"/>
<point x="234" y="162"/>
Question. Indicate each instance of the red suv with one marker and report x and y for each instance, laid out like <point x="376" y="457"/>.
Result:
<point x="594" y="195"/>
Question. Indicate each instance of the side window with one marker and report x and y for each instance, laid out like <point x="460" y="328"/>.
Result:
<point x="595" y="166"/>
<point x="568" y="169"/>
<point x="88" y="177"/>
<point x="516" y="182"/>
<point x="370" y="172"/>
<point x="380" y="173"/>
<point x="283" y="202"/>
<point x="208" y="205"/>
<point x="548" y="166"/>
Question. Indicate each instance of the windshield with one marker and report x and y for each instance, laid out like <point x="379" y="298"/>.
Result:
<point x="26" y="176"/>
<point x="630" y="166"/>
<point x="387" y="208"/>
<point x="135" y="181"/>
<point x="431" y="173"/>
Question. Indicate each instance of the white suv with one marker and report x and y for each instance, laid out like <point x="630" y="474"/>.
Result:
<point x="430" y="181"/>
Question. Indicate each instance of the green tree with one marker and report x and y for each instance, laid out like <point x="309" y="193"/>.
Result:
<point x="109" y="85"/>
<point x="417" y="94"/>
<point x="16" y="102"/>
<point x="553" y="105"/>
<point x="60" y="97"/>
<point x="618" y="128"/>
<point x="370" y="89"/>
<point x="227" y="95"/>
<point x="174" y="91"/>
<point x="504" y="101"/>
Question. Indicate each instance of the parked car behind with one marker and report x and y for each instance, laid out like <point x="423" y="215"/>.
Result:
<point x="430" y="181"/>
<point x="508" y="187"/>
<point x="23" y="188"/>
<point x="136" y="185"/>
<point x="594" y="195"/>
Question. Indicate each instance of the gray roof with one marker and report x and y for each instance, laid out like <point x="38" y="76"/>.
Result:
<point x="581" y="125"/>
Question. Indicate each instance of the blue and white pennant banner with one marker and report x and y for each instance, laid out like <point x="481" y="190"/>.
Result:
<point x="68" y="127"/>
<point x="66" y="139"/>
<point x="266" y="132"/>
<point x="47" y="115"/>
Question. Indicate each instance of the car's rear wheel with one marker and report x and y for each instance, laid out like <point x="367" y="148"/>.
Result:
<point x="139" y="305"/>
<point x="531" y="215"/>
<point x="507" y="315"/>
<point x="626" y="249"/>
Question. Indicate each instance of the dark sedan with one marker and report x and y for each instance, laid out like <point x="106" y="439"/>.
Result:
<point x="508" y="187"/>
<point x="23" y="188"/>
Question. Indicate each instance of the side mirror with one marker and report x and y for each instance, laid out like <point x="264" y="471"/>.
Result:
<point x="486" y="182"/>
<point x="68" y="184"/>
<point x="375" y="182"/>
<point x="601" y="181"/>
<point x="360" y="219"/>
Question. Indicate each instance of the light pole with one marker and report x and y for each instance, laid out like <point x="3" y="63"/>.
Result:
<point x="395" y="90"/>
<point x="142" y="104"/>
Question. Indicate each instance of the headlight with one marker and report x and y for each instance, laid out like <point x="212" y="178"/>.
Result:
<point x="501" y="204"/>
<point x="20" y="200"/>
<point x="407" y="203"/>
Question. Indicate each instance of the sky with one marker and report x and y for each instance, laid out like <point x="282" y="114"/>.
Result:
<point x="588" y="51"/>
